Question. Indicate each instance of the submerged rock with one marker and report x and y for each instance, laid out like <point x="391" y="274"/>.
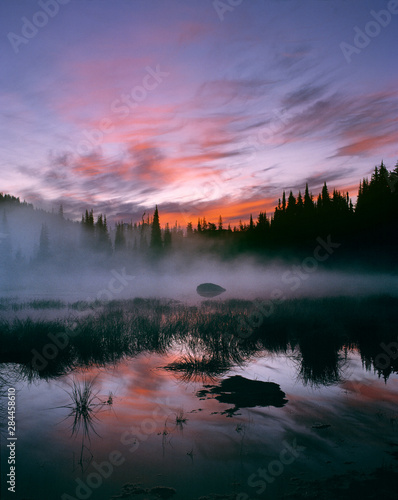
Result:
<point x="209" y="290"/>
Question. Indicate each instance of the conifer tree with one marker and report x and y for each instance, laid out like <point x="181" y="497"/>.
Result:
<point x="156" y="234"/>
<point x="308" y="201"/>
<point x="120" y="240"/>
<point x="251" y="223"/>
<point x="262" y="222"/>
<point x="167" y="237"/>
<point x="291" y="205"/>
<point x="299" y="204"/>
<point x="5" y="240"/>
<point x="102" y="236"/>
<point x="325" y="197"/>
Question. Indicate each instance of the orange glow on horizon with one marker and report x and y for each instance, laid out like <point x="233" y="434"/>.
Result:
<point x="231" y="213"/>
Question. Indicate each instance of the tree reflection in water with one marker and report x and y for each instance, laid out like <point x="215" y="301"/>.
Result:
<point x="316" y="333"/>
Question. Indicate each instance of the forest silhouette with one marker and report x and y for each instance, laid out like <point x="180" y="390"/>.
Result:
<point x="367" y="231"/>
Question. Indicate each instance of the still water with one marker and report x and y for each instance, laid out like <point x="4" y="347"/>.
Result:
<point x="166" y="421"/>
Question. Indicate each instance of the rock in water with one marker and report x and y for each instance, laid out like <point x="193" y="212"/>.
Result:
<point x="244" y="393"/>
<point x="209" y="290"/>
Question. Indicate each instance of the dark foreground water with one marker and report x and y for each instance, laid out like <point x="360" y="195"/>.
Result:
<point x="184" y="405"/>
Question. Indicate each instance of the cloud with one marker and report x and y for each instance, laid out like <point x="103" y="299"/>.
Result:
<point x="364" y="125"/>
<point x="184" y="140"/>
<point x="224" y="91"/>
<point x="303" y="95"/>
<point x="368" y="146"/>
<point x="316" y="180"/>
<point x="371" y="126"/>
<point x="313" y="120"/>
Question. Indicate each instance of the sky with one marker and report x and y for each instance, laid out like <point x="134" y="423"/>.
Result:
<point x="203" y="107"/>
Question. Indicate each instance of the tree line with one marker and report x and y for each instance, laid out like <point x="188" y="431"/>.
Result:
<point x="368" y="227"/>
<point x="298" y="219"/>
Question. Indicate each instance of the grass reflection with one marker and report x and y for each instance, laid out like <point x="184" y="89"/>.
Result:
<point x="208" y="336"/>
<point x="83" y="408"/>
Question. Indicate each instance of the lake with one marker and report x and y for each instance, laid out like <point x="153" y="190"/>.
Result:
<point x="153" y="399"/>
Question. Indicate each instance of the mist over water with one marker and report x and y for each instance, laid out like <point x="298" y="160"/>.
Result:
<point x="72" y="265"/>
<point x="243" y="278"/>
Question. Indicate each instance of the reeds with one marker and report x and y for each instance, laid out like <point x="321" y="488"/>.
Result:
<point x="197" y="369"/>
<point x="318" y="329"/>
<point x="84" y="406"/>
<point x="83" y="409"/>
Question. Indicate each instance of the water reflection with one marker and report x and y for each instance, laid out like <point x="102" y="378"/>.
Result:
<point x="83" y="409"/>
<point x="208" y="338"/>
<point x="171" y="438"/>
<point x="244" y="393"/>
<point x="194" y="368"/>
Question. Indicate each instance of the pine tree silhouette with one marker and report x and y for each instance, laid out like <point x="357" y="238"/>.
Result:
<point x="167" y="237"/>
<point x="156" y="234"/>
<point x="102" y="236"/>
<point x="120" y="240"/>
<point x="189" y="230"/>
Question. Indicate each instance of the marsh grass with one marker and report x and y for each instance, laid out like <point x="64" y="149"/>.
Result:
<point x="83" y="409"/>
<point x="21" y="338"/>
<point x="180" y="417"/>
<point x="83" y="305"/>
<point x="38" y="305"/>
<point x="44" y="304"/>
<point x="198" y="369"/>
<point x="84" y="406"/>
<point x="318" y="331"/>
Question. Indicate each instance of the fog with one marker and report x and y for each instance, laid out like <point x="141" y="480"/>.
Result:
<point x="72" y="271"/>
<point x="242" y="278"/>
